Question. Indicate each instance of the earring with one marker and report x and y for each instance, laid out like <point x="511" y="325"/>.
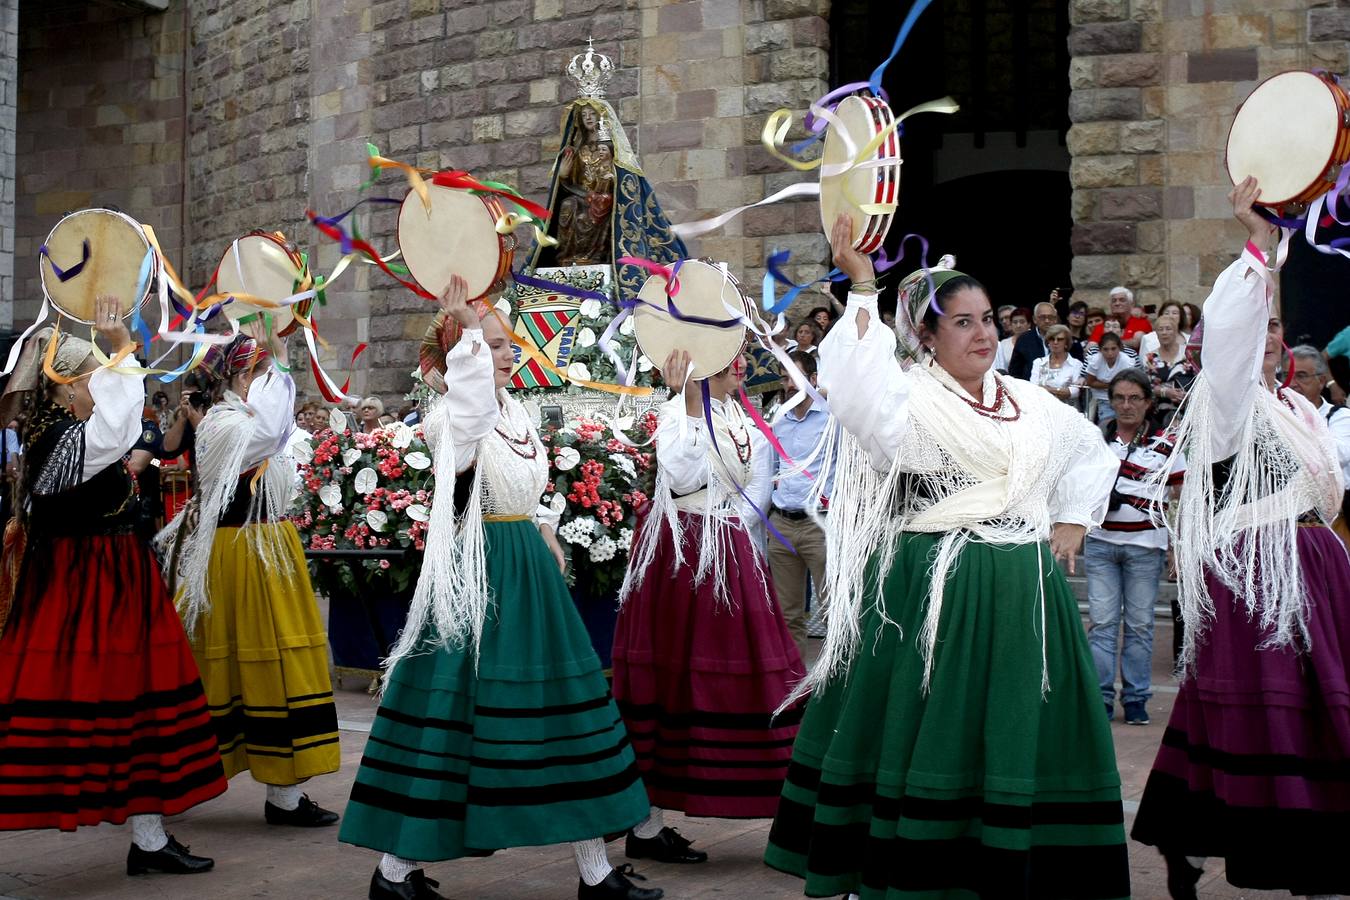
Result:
<point x="70" y="395"/>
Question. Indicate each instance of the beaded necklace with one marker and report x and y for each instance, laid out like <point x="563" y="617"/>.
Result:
<point x="995" y="411"/>
<point x="517" y="443"/>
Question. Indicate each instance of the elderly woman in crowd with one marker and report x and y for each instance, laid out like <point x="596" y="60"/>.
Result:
<point x="1059" y="373"/>
<point x="368" y="414"/>
<point x="1167" y="364"/>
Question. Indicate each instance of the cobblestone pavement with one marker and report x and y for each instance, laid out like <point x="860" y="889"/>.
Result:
<point x="254" y="860"/>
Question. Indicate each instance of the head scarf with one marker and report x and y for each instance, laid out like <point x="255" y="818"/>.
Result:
<point x="239" y="355"/>
<point x="915" y="294"/>
<point x="27" y="377"/>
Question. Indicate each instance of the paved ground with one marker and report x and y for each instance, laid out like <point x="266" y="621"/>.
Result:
<point x="256" y="861"/>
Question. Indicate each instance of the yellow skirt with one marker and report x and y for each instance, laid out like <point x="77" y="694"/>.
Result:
<point x="263" y="655"/>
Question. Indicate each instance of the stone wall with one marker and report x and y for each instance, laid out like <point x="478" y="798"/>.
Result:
<point x="9" y="92"/>
<point x="1155" y="86"/>
<point x="100" y="122"/>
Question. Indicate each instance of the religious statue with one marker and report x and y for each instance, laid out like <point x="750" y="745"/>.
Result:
<point x="586" y="176"/>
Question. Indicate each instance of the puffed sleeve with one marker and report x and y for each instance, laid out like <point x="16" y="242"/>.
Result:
<point x="544" y="515"/>
<point x="469" y="408"/>
<point x="1233" y="347"/>
<point x="866" y="388"/>
<point x="682" y="448"/>
<point x="115" y="424"/>
<point x="271" y="399"/>
<point x="1084" y="489"/>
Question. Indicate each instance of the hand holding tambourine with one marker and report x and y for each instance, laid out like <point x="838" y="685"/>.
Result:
<point x="108" y="322"/>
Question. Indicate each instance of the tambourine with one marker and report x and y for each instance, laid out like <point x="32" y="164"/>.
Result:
<point x="1293" y="134"/>
<point x="706" y="291"/>
<point x="95" y="252"/>
<point x="456" y="236"/>
<point x="866" y="194"/>
<point x="264" y="265"/>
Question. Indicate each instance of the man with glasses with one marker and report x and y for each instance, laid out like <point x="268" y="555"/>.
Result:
<point x="1310" y="379"/>
<point x="1127" y="554"/>
<point x="1031" y="346"/>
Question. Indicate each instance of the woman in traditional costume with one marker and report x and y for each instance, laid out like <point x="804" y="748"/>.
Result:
<point x="496" y="728"/>
<point x="1255" y="764"/>
<point x="702" y="653"/>
<point x="243" y="586"/>
<point x="102" y="713"/>
<point x="955" y="740"/>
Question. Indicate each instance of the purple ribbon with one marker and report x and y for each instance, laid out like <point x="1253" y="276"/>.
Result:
<point x="64" y="275"/>
<point x="558" y="288"/>
<point x="336" y="221"/>
<point x="712" y="435"/>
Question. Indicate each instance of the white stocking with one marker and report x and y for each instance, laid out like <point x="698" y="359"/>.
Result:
<point x="651" y="826"/>
<point x="287" y="797"/>
<point x="396" y="868"/>
<point x="592" y="861"/>
<point x="147" y="832"/>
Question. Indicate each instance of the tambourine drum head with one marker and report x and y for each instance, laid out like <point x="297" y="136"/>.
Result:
<point x="842" y="193"/>
<point x="262" y="268"/>
<point x="1285" y="134"/>
<point x="117" y="247"/>
<point x="457" y="237"/>
<point x="704" y="291"/>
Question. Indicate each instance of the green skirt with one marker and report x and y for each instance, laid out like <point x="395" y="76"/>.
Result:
<point x="984" y="787"/>
<point x="530" y="750"/>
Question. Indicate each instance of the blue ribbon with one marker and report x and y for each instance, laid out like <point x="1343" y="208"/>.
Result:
<point x="914" y="12"/>
<point x="64" y="275"/>
<point x="138" y="324"/>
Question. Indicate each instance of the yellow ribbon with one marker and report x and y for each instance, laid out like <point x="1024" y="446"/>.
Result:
<point x="534" y="354"/>
<point x="414" y="173"/>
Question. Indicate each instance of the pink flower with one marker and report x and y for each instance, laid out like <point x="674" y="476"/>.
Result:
<point x="384" y="563"/>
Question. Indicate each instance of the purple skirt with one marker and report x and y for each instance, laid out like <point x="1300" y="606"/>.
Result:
<point x="697" y="682"/>
<point x="1255" y="762"/>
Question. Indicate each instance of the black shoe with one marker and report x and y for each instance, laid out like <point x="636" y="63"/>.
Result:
<point x="172" y="859"/>
<point x="1136" y="714"/>
<point x="1182" y="877"/>
<point x="616" y="886"/>
<point x="307" y="814"/>
<point x="417" y="887"/>
<point x="666" y="847"/>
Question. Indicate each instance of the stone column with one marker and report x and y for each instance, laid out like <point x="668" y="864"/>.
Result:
<point x="9" y="78"/>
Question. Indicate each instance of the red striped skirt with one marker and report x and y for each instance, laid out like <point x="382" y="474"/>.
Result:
<point x="102" y="713"/>
<point x="697" y="682"/>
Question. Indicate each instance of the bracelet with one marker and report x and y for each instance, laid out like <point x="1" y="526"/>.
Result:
<point x="864" y="287"/>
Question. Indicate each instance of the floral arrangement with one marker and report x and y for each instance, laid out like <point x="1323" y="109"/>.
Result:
<point x="590" y="363"/>
<point x="367" y="492"/>
<point x="599" y="483"/>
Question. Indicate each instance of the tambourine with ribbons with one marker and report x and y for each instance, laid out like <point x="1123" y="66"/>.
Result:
<point x="96" y="252"/>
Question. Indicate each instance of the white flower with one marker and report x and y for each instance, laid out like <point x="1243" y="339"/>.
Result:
<point x="590" y="308"/>
<point x="331" y="495"/>
<point x="376" y="519"/>
<point x="417" y="460"/>
<point x="585" y="338"/>
<point x="350" y="455"/>
<point x="566" y="458"/>
<point x="603" y="550"/>
<point x="401" y="435"/>
<point x="418" y="513"/>
<point x="644" y="364"/>
<point x="627" y="325"/>
<point x="624" y="464"/>
<point x="622" y="423"/>
<point x="366" y="480"/>
<point x="578" y="531"/>
<point x="558" y="504"/>
<point x="302" y="452"/>
<point x="578" y="372"/>
<point x="336" y="420"/>
<point x="625" y="539"/>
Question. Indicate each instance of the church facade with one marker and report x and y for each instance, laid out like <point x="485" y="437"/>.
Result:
<point x="210" y="118"/>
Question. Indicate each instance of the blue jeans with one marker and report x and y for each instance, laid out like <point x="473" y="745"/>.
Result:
<point x="1122" y="582"/>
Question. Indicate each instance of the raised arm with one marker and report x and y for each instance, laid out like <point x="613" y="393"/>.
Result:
<point x="467" y="410"/>
<point x="115" y="424"/>
<point x="859" y="373"/>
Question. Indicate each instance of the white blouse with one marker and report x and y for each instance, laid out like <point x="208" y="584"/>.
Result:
<point x="110" y="431"/>
<point x="492" y="429"/>
<point x="1069" y="375"/>
<point x="691" y="465"/>
<point x="1057" y="465"/>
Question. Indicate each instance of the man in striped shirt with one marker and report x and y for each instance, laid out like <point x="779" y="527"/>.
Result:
<point x="1127" y="554"/>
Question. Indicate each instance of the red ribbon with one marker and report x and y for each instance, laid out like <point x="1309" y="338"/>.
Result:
<point x="356" y="243"/>
<point x="465" y="181"/>
<point x="322" y="383"/>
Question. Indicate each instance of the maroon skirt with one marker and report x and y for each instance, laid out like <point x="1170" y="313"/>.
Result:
<point x="1254" y="765"/>
<point x="697" y="681"/>
<point x="102" y="713"/>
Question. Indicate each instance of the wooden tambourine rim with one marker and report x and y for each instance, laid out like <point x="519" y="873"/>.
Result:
<point x="1331" y="154"/>
<point x="50" y="281"/>
<point x="712" y="349"/>
<point x="492" y="209"/>
<point x="869" y="230"/>
<point x="283" y="321"/>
